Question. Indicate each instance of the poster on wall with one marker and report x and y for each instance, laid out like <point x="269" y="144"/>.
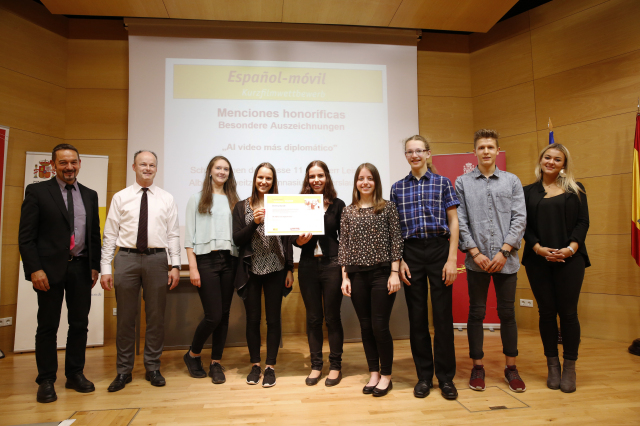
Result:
<point x="93" y="174"/>
<point x="452" y="166"/>
<point x="4" y="146"/>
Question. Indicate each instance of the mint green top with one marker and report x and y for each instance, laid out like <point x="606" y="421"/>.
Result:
<point x="205" y="233"/>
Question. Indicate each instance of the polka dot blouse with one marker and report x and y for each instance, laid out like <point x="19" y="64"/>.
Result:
<point x="367" y="239"/>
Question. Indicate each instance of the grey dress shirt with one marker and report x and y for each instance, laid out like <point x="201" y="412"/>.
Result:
<point x="492" y="212"/>
<point x="79" y="216"/>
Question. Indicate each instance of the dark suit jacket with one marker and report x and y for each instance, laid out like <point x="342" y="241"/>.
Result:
<point x="576" y="219"/>
<point x="45" y="231"/>
<point x="242" y="235"/>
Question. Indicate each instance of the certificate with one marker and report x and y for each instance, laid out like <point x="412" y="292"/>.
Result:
<point x="293" y="214"/>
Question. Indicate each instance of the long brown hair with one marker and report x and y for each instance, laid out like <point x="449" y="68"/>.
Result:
<point x="229" y="188"/>
<point x="274" y="187"/>
<point x="378" y="201"/>
<point x="424" y="140"/>
<point x="565" y="179"/>
<point x="329" y="192"/>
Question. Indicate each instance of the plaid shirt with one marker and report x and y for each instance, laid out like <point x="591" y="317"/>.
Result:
<point x="422" y="205"/>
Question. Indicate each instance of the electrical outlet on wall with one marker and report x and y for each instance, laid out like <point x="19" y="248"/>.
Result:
<point x="527" y="303"/>
<point x="115" y="312"/>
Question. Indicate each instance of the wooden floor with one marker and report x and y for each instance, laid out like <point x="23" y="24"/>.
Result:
<point x="608" y="391"/>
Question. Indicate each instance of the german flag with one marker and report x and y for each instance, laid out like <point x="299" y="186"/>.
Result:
<point x="635" y="196"/>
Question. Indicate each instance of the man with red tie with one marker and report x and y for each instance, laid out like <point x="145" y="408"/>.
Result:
<point x="59" y="242"/>
<point x="143" y="223"/>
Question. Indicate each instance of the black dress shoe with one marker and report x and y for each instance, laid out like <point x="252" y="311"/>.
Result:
<point x="368" y="390"/>
<point x="448" y="390"/>
<point x="119" y="382"/>
<point x="383" y="392"/>
<point x="46" y="392"/>
<point x="332" y="382"/>
<point x="79" y="383"/>
<point x="155" y="378"/>
<point x="422" y="389"/>
<point x="312" y="381"/>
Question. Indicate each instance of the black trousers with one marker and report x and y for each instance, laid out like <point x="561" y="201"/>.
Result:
<point x="426" y="258"/>
<point x="217" y="272"/>
<point x="273" y="286"/>
<point x="373" y="305"/>
<point x="556" y="287"/>
<point x="505" y="286"/>
<point x="76" y="289"/>
<point x="320" y="280"/>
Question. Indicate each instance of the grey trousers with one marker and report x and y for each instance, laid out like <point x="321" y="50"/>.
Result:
<point x="132" y="271"/>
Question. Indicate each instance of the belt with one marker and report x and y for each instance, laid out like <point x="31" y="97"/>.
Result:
<point x="147" y="251"/>
<point x="72" y="257"/>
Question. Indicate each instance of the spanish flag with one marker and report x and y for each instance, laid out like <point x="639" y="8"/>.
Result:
<point x="635" y="196"/>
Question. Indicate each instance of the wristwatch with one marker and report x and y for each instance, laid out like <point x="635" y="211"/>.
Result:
<point x="505" y="253"/>
<point x="176" y="267"/>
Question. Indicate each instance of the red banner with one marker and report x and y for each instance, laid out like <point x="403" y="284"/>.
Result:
<point x="452" y="166"/>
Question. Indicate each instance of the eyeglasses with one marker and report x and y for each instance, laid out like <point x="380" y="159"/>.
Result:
<point x="418" y="152"/>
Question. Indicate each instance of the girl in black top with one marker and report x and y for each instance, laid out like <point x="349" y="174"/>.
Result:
<point x="555" y="257"/>
<point x="265" y="264"/>
<point x="320" y="276"/>
<point x="370" y="251"/>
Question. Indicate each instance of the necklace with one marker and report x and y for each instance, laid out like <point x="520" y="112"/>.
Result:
<point x="548" y="186"/>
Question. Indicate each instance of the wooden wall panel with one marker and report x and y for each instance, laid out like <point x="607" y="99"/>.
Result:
<point x="559" y="9"/>
<point x="13" y="196"/>
<point x="613" y="270"/>
<point x="98" y="64"/>
<point x="10" y="274"/>
<point x="20" y="142"/>
<point x="609" y="200"/>
<point x="220" y="10"/>
<point x="610" y="317"/>
<point x="30" y="104"/>
<point x="598" y="147"/>
<point x="501" y="65"/>
<point x="438" y="148"/>
<point x="444" y="74"/>
<point x="526" y="318"/>
<point x="7" y="334"/>
<point x="521" y="152"/>
<point x="356" y="12"/>
<point x="144" y="8"/>
<point x="597" y="90"/>
<point x="500" y="32"/>
<point x="445" y="119"/>
<point x="601" y="32"/>
<point x="117" y="152"/>
<point x="110" y="321"/>
<point x="38" y="52"/>
<point x="97" y="114"/>
<point x="510" y="111"/>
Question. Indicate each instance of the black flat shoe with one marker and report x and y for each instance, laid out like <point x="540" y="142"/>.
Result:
<point x="368" y="390"/>
<point x="119" y="382"/>
<point x="448" y="390"/>
<point x="155" y="378"/>
<point x="383" y="392"/>
<point x="422" y="389"/>
<point x="194" y="365"/>
<point x="332" y="382"/>
<point x="79" y="383"/>
<point x="46" y="392"/>
<point x="312" y="381"/>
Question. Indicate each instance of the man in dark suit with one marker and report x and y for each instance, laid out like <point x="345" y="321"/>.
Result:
<point x="60" y="247"/>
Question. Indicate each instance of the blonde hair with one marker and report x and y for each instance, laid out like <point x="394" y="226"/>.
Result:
<point x="565" y="179"/>
<point x="424" y="140"/>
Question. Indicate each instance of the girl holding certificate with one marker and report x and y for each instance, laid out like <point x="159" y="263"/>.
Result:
<point x="266" y="265"/>
<point x="370" y="251"/>
<point x="320" y="276"/>
<point x="212" y="262"/>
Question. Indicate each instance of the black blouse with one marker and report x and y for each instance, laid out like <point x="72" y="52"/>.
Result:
<point x="328" y="241"/>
